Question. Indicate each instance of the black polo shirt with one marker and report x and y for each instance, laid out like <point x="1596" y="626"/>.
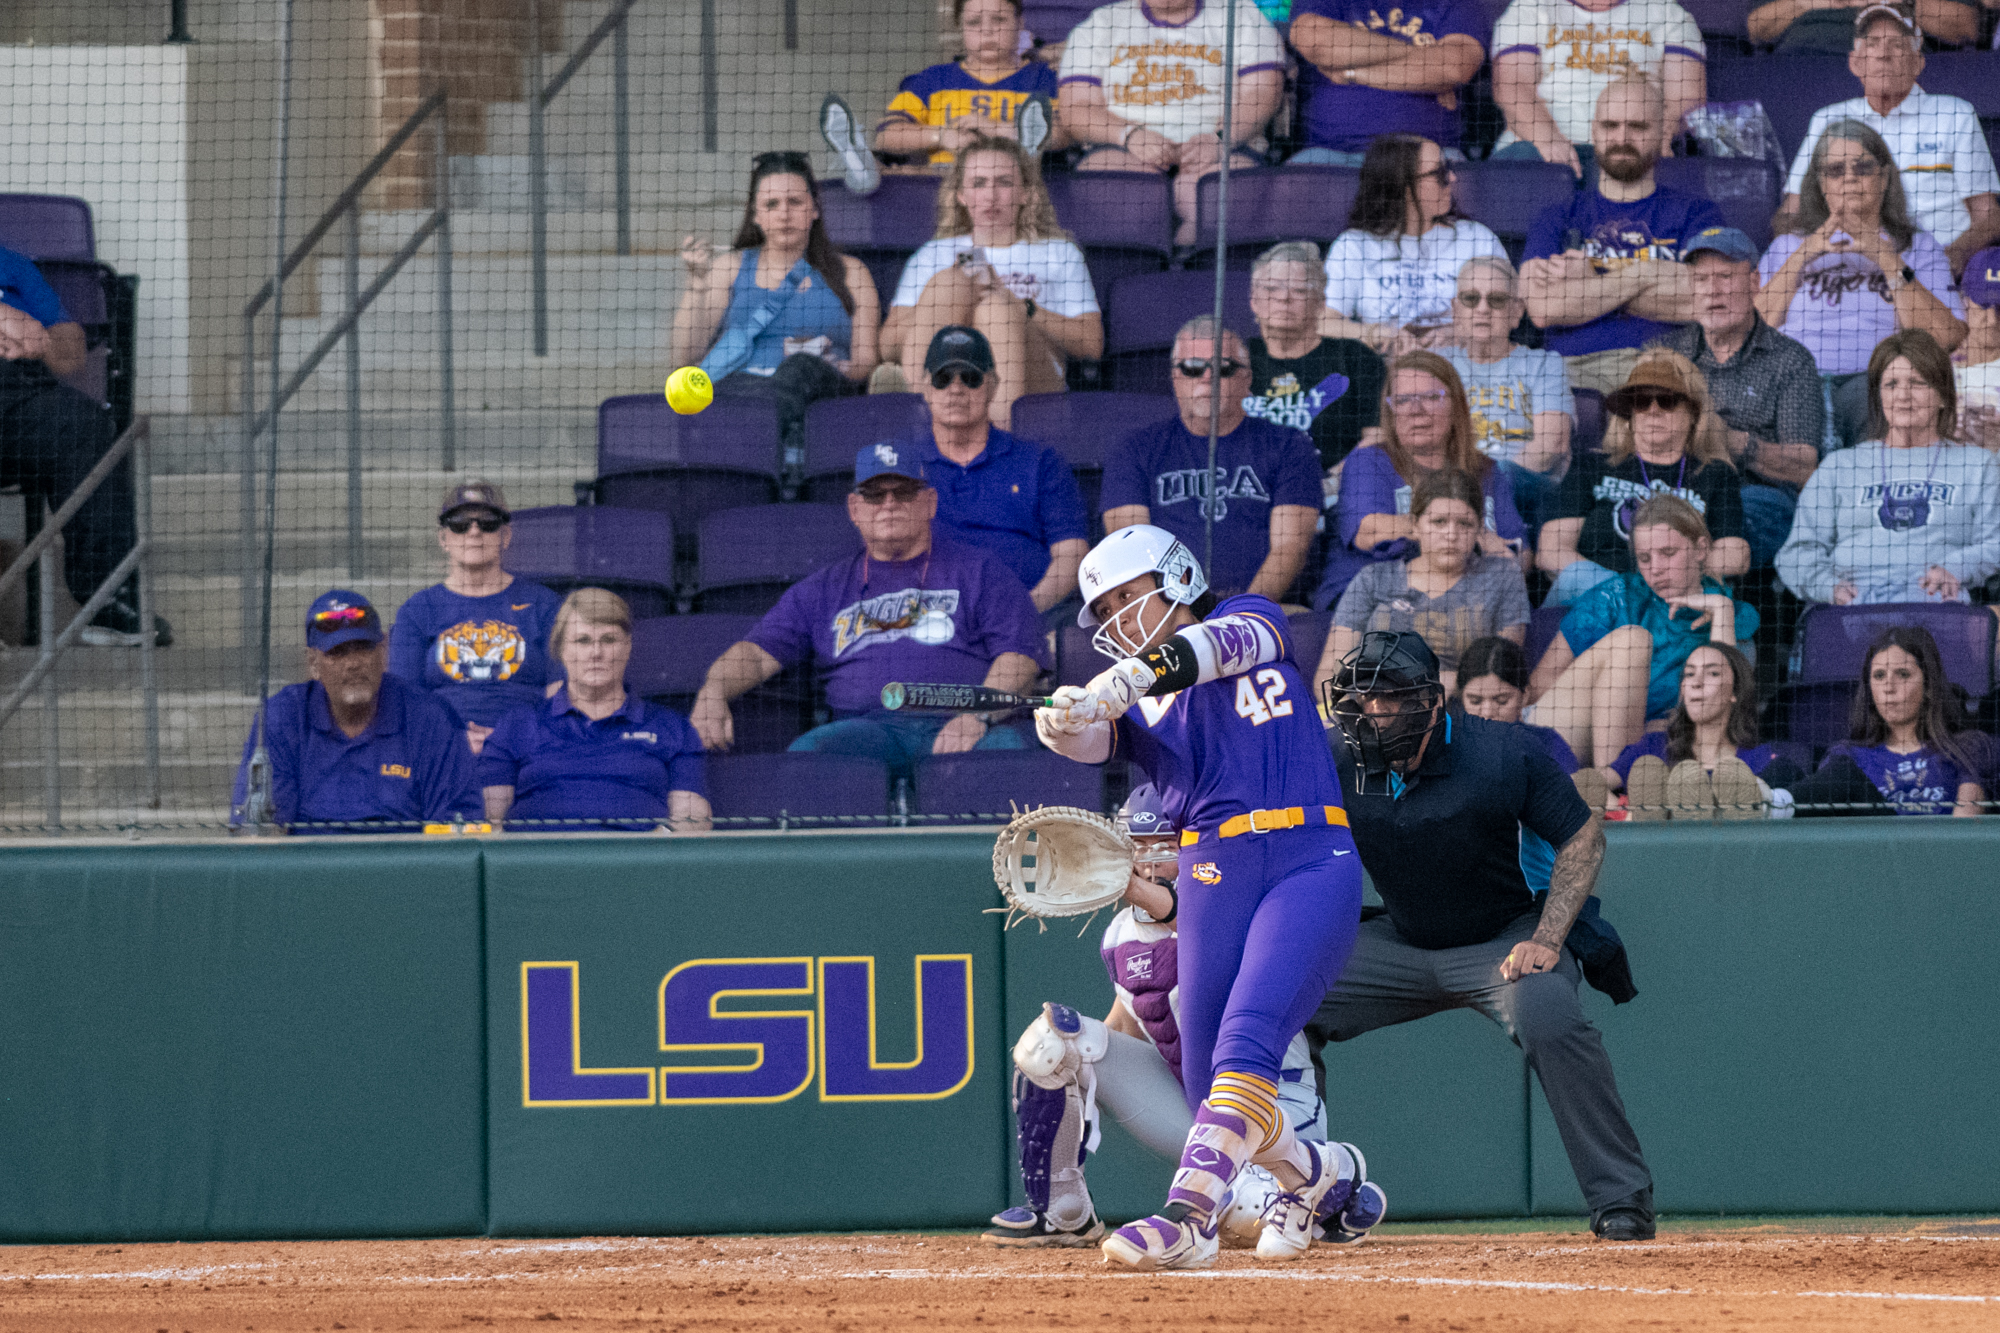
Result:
<point x="1446" y="854"/>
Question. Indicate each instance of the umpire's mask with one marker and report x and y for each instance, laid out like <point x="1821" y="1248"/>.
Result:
<point x="1386" y="699"/>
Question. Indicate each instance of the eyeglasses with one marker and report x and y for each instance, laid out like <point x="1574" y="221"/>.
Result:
<point x="340" y="616"/>
<point x="461" y="526"/>
<point x="881" y="495"/>
<point x="1303" y="290"/>
<point x="1403" y="402"/>
<point x="1645" y="400"/>
<point x="1194" y="370"/>
<point x="1867" y="169"/>
<point x="1494" y="300"/>
<point x="1442" y="175"/>
<point x="966" y="375"/>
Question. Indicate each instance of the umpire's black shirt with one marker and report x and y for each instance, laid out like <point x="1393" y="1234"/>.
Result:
<point x="1445" y="854"/>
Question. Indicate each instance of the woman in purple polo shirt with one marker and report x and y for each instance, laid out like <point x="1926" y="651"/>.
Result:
<point x="592" y="751"/>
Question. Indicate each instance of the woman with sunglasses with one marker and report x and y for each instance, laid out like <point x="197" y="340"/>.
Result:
<point x="478" y="639"/>
<point x="1426" y="428"/>
<point x="784" y="315"/>
<point x="1663" y="438"/>
<point x="1851" y="268"/>
<point x="1392" y="275"/>
<point x="1001" y="264"/>
<point x="1910" y="516"/>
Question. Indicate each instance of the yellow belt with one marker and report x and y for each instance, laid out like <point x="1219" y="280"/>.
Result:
<point x="1268" y="821"/>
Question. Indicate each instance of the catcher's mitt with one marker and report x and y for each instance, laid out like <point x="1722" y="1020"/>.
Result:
<point x="1060" y="860"/>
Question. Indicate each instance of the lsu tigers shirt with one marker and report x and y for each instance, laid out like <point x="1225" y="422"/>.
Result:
<point x="483" y="656"/>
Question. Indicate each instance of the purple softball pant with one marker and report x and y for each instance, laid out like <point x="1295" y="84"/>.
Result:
<point x="1266" y="923"/>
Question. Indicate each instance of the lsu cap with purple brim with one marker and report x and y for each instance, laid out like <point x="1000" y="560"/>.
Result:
<point x="1981" y="283"/>
<point x="339" y="616"/>
<point x="890" y="458"/>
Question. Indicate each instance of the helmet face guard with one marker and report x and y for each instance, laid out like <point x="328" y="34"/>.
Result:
<point x="1387" y="700"/>
<point x="1110" y="638"/>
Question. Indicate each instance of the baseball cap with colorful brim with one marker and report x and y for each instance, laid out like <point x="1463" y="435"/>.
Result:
<point x="890" y="458"/>
<point x="341" y="616"/>
<point x="473" y="493"/>
<point x="1981" y="283"/>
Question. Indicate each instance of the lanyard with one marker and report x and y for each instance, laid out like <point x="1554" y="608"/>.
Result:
<point x="1679" y="479"/>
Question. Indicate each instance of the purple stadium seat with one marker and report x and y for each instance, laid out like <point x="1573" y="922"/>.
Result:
<point x="650" y="457"/>
<point x="1721" y="18"/>
<point x="748" y="557"/>
<point x="983" y="786"/>
<point x="1509" y="196"/>
<point x="1790" y="87"/>
<point x="1746" y="189"/>
<point x="1795" y="752"/>
<point x="670" y="660"/>
<point x="1544" y="623"/>
<point x="1083" y="427"/>
<point x="1272" y="204"/>
<point x="1833" y="640"/>
<point x="1122" y="220"/>
<point x="1310" y="632"/>
<point x="47" y="226"/>
<point x="839" y="428"/>
<point x="1076" y="661"/>
<point x="1052" y="20"/>
<point x="1588" y="437"/>
<point x="1816" y="714"/>
<point x="1973" y="75"/>
<point x="884" y="228"/>
<point x="815" y="787"/>
<point x="629" y="551"/>
<point x="1145" y="312"/>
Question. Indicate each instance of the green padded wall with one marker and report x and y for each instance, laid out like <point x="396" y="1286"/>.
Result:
<point x="264" y="1039"/>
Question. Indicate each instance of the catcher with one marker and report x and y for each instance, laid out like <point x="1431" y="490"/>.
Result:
<point x="1067" y="1065"/>
<point x="1269" y="888"/>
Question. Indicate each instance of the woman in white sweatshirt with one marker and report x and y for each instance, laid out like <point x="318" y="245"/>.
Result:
<point x="1910" y="516"/>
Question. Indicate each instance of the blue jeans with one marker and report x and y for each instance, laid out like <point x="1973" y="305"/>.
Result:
<point x="1346" y="157"/>
<point x="897" y="739"/>
<point x="1532" y="492"/>
<point x="1767" y="521"/>
<point x="1575" y="580"/>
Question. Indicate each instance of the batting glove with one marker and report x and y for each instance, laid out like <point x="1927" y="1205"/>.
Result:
<point x="1074" y="713"/>
<point x="1121" y="687"/>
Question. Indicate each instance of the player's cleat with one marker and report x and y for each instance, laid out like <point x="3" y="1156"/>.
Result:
<point x="1242" y="1212"/>
<point x="1291" y="1216"/>
<point x="1352" y="1224"/>
<point x="1158" y="1242"/>
<point x="1033" y="123"/>
<point x="842" y="133"/>
<point x="1028" y="1229"/>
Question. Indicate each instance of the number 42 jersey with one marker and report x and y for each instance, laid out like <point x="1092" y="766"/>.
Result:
<point x="1248" y="741"/>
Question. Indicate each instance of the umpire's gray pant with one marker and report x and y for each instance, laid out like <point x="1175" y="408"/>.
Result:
<point x="1389" y="980"/>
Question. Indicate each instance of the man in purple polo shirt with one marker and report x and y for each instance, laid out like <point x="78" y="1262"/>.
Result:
<point x="908" y="608"/>
<point x="996" y="490"/>
<point x="1368" y="68"/>
<point x="356" y="746"/>
<point x="1265" y="493"/>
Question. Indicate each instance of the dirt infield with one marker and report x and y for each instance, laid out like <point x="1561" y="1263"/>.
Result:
<point x="1835" y="1275"/>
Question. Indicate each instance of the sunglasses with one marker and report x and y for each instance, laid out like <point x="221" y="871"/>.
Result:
<point x="966" y="375"/>
<point x="342" y="616"/>
<point x="1865" y="170"/>
<point x="1195" y="370"/>
<point x="1645" y="400"/>
<point x="881" y="495"/>
<point x="461" y="526"/>
<point x="1494" y="300"/>
<point x="1403" y="402"/>
<point x="1443" y="175"/>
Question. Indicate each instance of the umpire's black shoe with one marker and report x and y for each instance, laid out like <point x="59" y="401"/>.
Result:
<point x="1624" y="1226"/>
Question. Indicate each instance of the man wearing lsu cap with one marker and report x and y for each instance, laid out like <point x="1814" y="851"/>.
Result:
<point x="1976" y="365"/>
<point x="1013" y="497"/>
<point x="1937" y="142"/>
<point x="1763" y="385"/>
<point x="353" y="745"/>
<point x="478" y="641"/>
<point x="910" y="607"/>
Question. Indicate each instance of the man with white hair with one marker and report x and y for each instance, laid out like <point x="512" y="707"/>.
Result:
<point x="1522" y="409"/>
<point x="1937" y="142"/>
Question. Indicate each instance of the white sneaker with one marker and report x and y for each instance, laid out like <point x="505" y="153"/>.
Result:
<point x="1033" y="123"/>
<point x="1289" y="1220"/>
<point x="843" y="134"/>
<point x="1154" y="1243"/>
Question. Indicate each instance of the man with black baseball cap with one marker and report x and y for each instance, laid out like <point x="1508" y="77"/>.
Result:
<point x="996" y="490"/>
<point x="353" y="746"/>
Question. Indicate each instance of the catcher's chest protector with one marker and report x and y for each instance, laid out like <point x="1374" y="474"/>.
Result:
<point x="1146" y="973"/>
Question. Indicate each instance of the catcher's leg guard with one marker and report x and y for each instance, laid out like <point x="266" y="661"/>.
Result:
<point x="1052" y="1135"/>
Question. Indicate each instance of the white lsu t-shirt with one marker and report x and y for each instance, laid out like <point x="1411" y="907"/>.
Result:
<point x="1165" y="77"/>
<point x="1404" y="279"/>
<point x="1582" y="52"/>
<point x="1052" y="274"/>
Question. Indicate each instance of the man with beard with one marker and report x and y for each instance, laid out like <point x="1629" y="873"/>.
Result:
<point x="1603" y="271"/>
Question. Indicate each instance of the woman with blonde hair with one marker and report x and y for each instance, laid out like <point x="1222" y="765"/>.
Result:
<point x="593" y="752"/>
<point x="1001" y="264"/>
<point x="1664" y="438"/>
<point x="1426" y="428"/>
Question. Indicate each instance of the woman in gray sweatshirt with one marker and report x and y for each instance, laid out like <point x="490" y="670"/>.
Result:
<point x="1910" y="516"/>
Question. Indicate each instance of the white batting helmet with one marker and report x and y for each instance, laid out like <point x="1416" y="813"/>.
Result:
<point x="1124" y="556"/>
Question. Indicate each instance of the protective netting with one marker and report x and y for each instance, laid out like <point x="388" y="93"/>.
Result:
<point x="1641" y="358"/>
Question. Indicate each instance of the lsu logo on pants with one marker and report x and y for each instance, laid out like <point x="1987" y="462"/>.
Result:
<point x="1206" y="872"/>
<point x="815" y="1023"/>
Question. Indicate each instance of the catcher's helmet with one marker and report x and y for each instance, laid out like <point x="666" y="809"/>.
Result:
<point x="1144" y="815"/>
<point x="1124" y="556"/>
<point x="1399" y="673"/>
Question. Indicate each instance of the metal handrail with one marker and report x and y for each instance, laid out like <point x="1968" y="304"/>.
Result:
<point x="133" y="442"/>
<point x="540" y="95"/>
<point x="434" y="110"/>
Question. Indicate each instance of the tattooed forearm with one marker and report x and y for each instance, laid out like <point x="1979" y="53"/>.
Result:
<point x="1574" y="876"/>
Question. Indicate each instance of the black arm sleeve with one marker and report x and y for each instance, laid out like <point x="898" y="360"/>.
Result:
<point x="1174" y="667"/>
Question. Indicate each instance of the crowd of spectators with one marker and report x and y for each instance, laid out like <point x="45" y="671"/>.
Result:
<point x="1400" y="446"/>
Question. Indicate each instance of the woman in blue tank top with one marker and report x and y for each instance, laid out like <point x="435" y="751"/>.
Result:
<point x="785" y="316"/>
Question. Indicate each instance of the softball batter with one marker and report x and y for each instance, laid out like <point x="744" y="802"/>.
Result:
<point x="1269" y="886"/>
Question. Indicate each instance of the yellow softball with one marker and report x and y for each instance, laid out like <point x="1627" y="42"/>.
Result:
<point x="688" y="390"/>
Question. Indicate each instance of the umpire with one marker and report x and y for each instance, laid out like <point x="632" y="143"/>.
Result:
<point x="1446" y="810"/>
